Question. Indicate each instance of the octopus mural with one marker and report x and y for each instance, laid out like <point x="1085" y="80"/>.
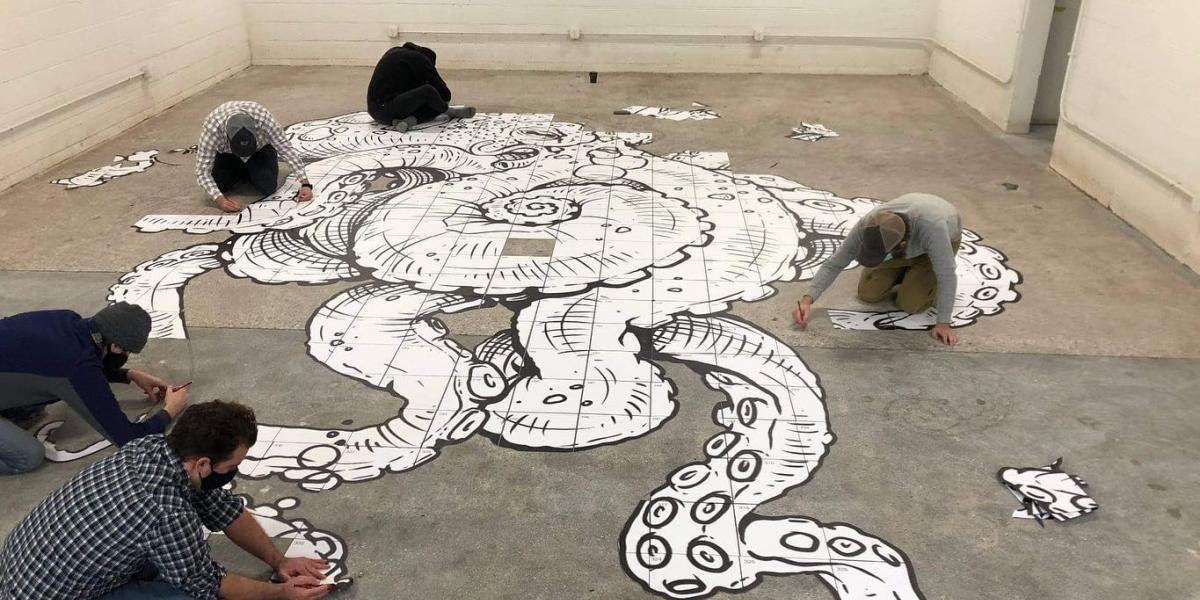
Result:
<point x="612" y="261"/>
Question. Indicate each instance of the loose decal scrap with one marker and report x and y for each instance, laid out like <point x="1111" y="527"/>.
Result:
<point x="137" y="162"/>
<point x="700" y="113"/>
<point x="811" y="132"/>
<point x="636" y="259"/>
<point x="1047" y="492"/>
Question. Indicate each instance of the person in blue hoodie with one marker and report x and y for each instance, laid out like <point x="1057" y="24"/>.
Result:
<point x="52" y="355"/>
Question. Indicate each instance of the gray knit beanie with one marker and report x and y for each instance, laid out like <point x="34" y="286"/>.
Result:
<point x="126" y="325"/>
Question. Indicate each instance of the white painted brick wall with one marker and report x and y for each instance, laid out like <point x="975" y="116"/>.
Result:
<point x="55" y="51"/>
<point x="532" y="34"/>
<point x="1131" y="96"/>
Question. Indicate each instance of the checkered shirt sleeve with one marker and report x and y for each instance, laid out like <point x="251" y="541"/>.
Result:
<point x="132" y="508"/>
<point x="177" y="548"/>
<point x="214" y="141"/>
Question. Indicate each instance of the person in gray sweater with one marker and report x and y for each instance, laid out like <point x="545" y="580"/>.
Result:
<point x="907" y="244"/>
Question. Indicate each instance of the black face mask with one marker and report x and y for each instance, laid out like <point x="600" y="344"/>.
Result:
<point x="112" y="362"/>
<point x="215" y="480"/>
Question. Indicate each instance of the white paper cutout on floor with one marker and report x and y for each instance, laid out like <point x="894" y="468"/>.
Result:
<point x="670" y="114"/>
<point x="717" y="161"/>
<point x="121" y="166"/>
<point x="811" y="132"/>
<point x="315" y="543"/>
<point x="640" y="256"/>
<point x="1047" y="492"/>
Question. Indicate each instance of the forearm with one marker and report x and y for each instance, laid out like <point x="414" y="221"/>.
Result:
<point x="947" y="282"/>
<point x="236" y="587"/>
<point x="824" y="277"/>
<point x="249" y="536"/>
<point x="204" y="177"/>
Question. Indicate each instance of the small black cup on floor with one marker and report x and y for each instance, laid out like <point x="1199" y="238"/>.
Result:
<point x="592" y="75"/>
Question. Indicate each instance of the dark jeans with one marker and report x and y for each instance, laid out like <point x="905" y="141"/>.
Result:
<point x="147" y="586"/>
<point x="261" y="170"/>
<point x="424" y="103"/>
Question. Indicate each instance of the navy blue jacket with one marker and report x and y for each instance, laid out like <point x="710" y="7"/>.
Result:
<point x="49" y="355"/>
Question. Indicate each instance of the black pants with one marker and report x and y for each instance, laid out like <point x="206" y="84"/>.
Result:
<point x="424" y="103"/>
<point x="261" y="170"/>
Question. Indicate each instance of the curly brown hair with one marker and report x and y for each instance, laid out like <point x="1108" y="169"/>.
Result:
<point x="214" y="430"/>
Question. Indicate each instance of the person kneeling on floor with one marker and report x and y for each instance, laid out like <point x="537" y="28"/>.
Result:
<point x="908" y="244"/>
<point x="131" y="527"/>
<point x="241" y="141"/>
<point x="406" y="89"/>
<point x="52" y="355"/>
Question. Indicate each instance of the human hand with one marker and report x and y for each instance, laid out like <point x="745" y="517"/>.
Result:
<point x="227" y="204"/>
<point x="304" y="588"/>
<point x="304" y="194"/>
<point x="154" y="387"/>
<point x="290" y="568"/>
<point x="803" y="311"/>
<point x="944" y="334"/>
<point x="175" y="401"/>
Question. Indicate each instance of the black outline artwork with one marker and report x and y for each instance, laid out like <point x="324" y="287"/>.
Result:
<point x="648" y="253"/>
<point x="811" y="132"/>
<point x="698" y="113"/>
<point x="142" y="159"/>
<point x="1047" y="492"/>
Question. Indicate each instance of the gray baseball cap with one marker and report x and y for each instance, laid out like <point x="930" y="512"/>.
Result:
<point x="240" y="129"/>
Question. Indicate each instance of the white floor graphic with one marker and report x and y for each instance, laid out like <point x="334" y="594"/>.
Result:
<point x="607" y="255"/>
<point x="811" y="132"/>
<point x="137" y="162"/>
<point x="671" y="114"/>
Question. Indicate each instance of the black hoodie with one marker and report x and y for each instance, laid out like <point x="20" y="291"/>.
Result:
<point x="405" y="68"/>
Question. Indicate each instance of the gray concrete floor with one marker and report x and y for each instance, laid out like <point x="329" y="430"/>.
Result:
<point x="1099" y="362"/>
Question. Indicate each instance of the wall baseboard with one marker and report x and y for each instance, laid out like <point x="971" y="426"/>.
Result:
<point x="1160" y="211"/>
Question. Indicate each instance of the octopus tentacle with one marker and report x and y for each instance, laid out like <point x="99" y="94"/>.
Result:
<point x="583" y="383"/>
<point x="697" y="534"/>
<point x="157" y="286"/>
<point x="384" y="335"/>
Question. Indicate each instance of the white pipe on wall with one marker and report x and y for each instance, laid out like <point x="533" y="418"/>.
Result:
<point x="1012" y="70"/>
<point x="1063" y="117"/>
<point x="42" y="115"/>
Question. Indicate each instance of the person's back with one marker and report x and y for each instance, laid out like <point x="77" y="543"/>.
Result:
<point x="406" y="89"/>
<point x="396" y="73"/>
<point x="40" y="352"/>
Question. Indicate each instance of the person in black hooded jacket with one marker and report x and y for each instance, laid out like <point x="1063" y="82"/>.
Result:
<point x="406" y="89"/>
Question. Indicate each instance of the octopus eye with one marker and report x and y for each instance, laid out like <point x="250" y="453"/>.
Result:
<point x="846" y="546"/>
<point x="660" y="512"/>
<point x="745" y="466"/>
<point x="747" y="411"/>
<point x="711" y="507"/>
<point x="721" y="443"/>
<point x="800" y="541"/>
<point x="707" y="556"/>
<point x="653" y="551"/>
<point x="689" y="476"/>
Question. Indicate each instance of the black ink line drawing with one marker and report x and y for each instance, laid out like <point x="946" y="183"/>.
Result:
<point x="699" y="113"/>
<point x="641" y="256"/>
<point x="811" y="132"/>
<point x="1047" y="492"/>
<point x="120" y="167"/>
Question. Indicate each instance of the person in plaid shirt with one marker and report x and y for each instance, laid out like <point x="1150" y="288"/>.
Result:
<point x="130" y="526"/>
<point x="241" y="141"/>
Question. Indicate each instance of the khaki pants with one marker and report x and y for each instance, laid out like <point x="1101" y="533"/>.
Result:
<point x="918" y="284"/>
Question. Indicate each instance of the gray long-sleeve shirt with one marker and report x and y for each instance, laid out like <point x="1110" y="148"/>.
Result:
<point x="934" y="225"/>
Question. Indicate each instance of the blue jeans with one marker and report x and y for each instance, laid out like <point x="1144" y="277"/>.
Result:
<point x="147" y="590"/>
<point x="20" y="452"/>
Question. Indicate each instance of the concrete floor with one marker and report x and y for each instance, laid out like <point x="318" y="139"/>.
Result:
<point x="1099" y="362"/>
